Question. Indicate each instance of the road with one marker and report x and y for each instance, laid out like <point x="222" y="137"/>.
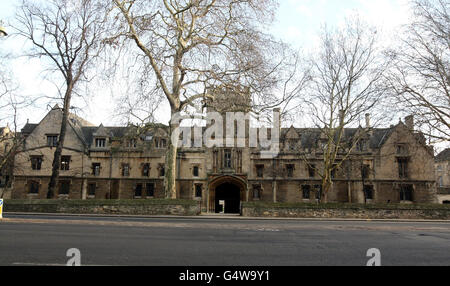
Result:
<point x="44" y="240"/>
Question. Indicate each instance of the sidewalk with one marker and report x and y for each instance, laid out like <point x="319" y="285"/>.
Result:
<point x="222" y="217"/>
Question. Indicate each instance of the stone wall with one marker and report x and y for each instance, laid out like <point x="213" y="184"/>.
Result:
<point x="122" y="207"/>
<point x="428" y="212"/>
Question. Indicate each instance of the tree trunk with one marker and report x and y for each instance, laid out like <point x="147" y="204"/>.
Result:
<point x="171" y="165"/>
<point x="57" y="156"/>
<point x="327" y="186"/>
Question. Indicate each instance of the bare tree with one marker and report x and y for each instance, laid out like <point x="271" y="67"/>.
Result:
<point x="193" y="46"/>
<point x="346" y="85"/>
<point x="67" y="34"/>
<point x="420" y="78"/>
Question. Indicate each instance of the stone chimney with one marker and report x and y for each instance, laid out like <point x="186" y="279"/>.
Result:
<point x="277" y="118"/>
<point x="368" y="120"/>
<point x="409" y="122"/>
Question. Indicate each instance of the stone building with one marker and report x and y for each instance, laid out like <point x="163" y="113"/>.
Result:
<point x="390" y="165"/>
<point x="442" y="166"/>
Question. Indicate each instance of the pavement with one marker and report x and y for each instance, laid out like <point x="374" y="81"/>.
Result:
<point x="43" y="239"/>
<point x="212" y="216"/>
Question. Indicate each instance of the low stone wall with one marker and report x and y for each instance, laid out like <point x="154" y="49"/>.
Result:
<point x="122" y="207"/>
<point x="429" y="212"/>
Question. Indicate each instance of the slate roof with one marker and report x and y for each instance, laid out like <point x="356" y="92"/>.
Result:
<point x="310" y="136"/>
<point x="443" y="156"/>
<point x="28" y="128"/>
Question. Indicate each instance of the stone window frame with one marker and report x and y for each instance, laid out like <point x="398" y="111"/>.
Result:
<point x="39" y="163"/>
<point x="100" y="140"/>
<point x="132" y="143"/>
<point x="401" y="149"/>
<point x="136" y="189"/>
<point x="160" y="143"/>
<point x="52" y="140"/>
<point x="89" y="195"/>
<point x="403" y="167"/>
<point x="227" y="160"/>
<point x="126" y="170"/>
<point x="196" y="167"/>
<point x="257" y="192"/>
<point x="60" y="187"/>
<point x="161" y="169"/>
<point x="196" y="186"/>
<point x="311" y="168"/>
<point x="306" y="188"/>
<point x="145" y="171"/>
<point x="290" y="170"/>
<point x="369" y="196"/>
<point x="317" y="191"/>
<point x="259" y="168"/>
<point x="30" y="183"/>
<point x="365" y="171"/>
<point x="95" y="167"/>
<point x="362" y="145"/>
<point x="403" y="193"/>
<point x="147" y="189"/>
<point x="65" y="162"/>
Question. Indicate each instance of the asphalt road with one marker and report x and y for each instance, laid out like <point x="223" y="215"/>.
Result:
<point x="44" y="240"/>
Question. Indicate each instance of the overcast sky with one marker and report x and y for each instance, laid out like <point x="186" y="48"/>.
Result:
<point x="298" y="23"/>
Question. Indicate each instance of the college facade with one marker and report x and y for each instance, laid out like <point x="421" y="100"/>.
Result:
<point x="389" y="165"/>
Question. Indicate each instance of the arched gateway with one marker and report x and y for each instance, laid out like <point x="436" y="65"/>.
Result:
<point x="229" y="189"/>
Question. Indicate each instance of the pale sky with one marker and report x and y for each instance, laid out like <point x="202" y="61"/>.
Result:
<point x="298" y="23"/>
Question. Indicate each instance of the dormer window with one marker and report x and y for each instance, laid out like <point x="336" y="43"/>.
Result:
<point x="131" y="143"/>
<point x="361" y="145"/>
<point x="100" y="143"/>
<point x="292" y="144"/>
<point x="160" y="143"/>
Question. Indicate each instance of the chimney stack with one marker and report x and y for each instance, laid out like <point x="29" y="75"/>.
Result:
<point x="409" y="121"/>
<point x="277" y="117"/>
<point x="368" y="120"/>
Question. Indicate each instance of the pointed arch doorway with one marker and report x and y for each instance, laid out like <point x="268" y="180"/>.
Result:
<point x="226" y="194"/>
